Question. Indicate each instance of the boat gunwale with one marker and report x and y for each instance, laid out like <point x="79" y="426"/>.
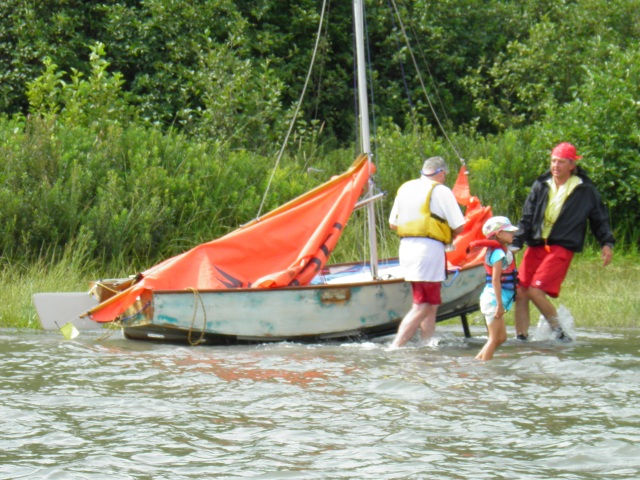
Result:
<point x="308" y="287"/>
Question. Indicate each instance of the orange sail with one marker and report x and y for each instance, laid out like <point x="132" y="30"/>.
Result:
<point x="285" y="247"/>
<point x="475" y="215"/>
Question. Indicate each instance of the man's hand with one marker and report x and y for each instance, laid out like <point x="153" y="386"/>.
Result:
<point x="607" y="255"/>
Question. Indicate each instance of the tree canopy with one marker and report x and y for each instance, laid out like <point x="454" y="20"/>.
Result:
<point x="80" y="82"/>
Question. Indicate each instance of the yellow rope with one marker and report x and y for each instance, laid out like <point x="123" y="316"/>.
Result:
<point x="197" y="298"/>
<point x="112" y="328"/>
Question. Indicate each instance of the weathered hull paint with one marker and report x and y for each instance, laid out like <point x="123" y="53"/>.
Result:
<point x="311" y="313"/>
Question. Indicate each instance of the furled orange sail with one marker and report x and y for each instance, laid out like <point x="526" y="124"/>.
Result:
<point x="285" y="247"/>
<point x="475" y="215"/>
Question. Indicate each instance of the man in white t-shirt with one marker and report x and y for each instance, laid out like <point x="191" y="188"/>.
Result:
<point x="427" y="217"/>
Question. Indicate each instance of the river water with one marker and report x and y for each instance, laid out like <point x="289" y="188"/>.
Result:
<point x="93" y="408"/>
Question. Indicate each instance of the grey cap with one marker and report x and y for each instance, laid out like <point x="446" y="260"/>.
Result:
<point x="434" y="165"/>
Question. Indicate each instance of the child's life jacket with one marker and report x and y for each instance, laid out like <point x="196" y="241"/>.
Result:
<point x="509" y="277"/>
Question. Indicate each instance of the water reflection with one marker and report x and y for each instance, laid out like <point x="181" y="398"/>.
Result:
<point x="89" y="409"/>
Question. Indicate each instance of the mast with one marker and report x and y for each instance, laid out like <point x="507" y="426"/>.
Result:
<point x="365" y="137"/>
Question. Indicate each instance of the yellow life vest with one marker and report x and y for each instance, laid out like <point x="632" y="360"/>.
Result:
<point x="428" y="225"/>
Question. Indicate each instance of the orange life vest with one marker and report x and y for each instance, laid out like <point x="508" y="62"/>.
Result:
<point x="509" y="277"/>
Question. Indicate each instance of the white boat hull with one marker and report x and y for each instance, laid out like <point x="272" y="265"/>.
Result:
<point x="310" y="313"/>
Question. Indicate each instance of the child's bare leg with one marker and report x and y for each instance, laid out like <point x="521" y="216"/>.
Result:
<point x="497" y="336"/>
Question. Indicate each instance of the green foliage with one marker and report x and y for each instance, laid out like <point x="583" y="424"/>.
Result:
<point x="538" y="71"/>
<point x="192" y="65"/>
<point x="144" y="128"/>
<point x="400" y="157"/>
<point x="33" y="30"/>
<point x="502" y="169"/>
<point x="241" y="103"/>
<point x="603" y="297"/>
<point x="61" y="270"/>
<point x="448" y="40"/>
<point x="157" y="46"/>
<point x="604" y="121"/>
<point x="129" y="192"/>
<point x="98" y="100"/>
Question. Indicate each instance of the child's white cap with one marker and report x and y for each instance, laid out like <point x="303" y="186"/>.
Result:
<point x="497" y="224"/>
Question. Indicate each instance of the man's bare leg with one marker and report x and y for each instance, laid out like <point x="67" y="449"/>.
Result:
<point x="523" y="318"/>
<point x="542" y="303"/>
<point x="410" y="324"/>
<point x="549" y="312"/>
<point x="428" y="324"/>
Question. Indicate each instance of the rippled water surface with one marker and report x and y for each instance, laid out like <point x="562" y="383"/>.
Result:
<point x="118" y="409"/>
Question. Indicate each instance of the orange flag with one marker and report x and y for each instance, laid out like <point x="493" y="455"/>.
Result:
<point x="475" y="216"/>
<point x="461" y="188"/>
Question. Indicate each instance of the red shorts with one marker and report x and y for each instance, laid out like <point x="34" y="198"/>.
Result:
<point x="545" y="270"/>
<point x="426" y="292"/>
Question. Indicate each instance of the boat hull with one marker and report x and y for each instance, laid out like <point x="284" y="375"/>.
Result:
<point x="324" y="312"/>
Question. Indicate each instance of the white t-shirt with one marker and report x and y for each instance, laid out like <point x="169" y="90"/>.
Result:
<point x="423" y="259"/>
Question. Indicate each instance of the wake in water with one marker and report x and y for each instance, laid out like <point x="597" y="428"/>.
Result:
<point x="439" y="340"/>
<point x="543" y="331"/>
<point x="442" y="339"/>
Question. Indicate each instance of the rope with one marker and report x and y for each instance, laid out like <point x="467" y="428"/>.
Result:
<point x="113" y="327"/>
<point x="197" y="298"/>
<point x="415" y="64"/>
<point x="455" y="275"/>
<point x="402" y="72"/>
<point x="122" y="320"/>
<point x="119" y="324"/>
<point x="298" y="106"/>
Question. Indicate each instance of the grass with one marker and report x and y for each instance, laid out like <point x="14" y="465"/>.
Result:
<point x="603" y="297"/>
<point x="66" y="271"/>
<point x="20" y="281"/>
<point x="597" y="297"/>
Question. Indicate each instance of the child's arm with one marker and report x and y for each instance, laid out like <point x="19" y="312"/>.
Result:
<point x="497" y="287"/>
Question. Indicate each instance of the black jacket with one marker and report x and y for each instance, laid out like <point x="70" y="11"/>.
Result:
<point x="570" y="229"/>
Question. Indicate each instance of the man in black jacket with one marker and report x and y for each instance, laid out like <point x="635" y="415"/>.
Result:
<point x="554" y="226"/>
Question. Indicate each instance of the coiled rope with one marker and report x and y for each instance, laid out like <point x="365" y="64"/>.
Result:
<point x="197" y="298"/>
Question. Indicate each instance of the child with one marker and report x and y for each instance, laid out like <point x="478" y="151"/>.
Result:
<point x="500" y="291"/>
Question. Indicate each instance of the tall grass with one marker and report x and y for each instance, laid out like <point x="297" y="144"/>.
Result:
<point x="65" y="271"/>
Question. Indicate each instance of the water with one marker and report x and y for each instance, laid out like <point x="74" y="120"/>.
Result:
<point x="118" y="409"/>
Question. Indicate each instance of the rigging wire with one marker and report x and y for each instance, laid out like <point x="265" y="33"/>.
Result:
<point x="372" y="115"/>
<point x="318" y="93"/>
<point x="380" y="214"/>
<point x="426" y="64"/>
<point x="402" y="72"/>
<point x="415" y="64"/>
<point x="369" y="71"/>
<point x="297" y="110"/>
<point x="363" y="253"/>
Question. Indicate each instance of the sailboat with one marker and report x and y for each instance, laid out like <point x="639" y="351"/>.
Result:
<point x="269" y="281"/>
